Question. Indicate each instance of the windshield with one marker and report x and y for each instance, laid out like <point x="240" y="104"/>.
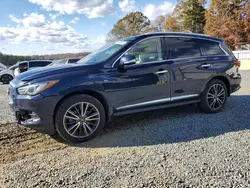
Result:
<point x="103" y="53"/>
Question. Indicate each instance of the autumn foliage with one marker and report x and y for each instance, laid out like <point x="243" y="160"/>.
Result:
<point x="229" y="20"/>
<point x="226" y="19"/>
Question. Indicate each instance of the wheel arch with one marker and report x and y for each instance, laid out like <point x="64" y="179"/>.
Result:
<point x="6" y="74"/>
<point x="224" y="79"/>
<point x="95" y="94"/>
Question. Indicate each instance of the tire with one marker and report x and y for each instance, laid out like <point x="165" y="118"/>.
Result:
<point x="212" y="102"/>
<point x="6" y="79"/>
<point x="89" y="122"/>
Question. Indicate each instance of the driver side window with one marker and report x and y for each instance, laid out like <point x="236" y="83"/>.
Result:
<point x="147" y="51"/>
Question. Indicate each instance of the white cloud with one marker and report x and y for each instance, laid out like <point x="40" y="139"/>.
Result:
<point x="74" y="20"/>
<point x="35" y="28"/>
<point x="127" y="6"/>
<point x="7" y="33"/>
<point x="44" y="37"/>
<point x="31" y="20"/>
<point x="53" y="16"/>
<point x="152" y="11"/>
<point x="90" y="8"/>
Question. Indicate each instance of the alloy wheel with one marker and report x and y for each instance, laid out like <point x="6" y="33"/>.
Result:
<point x="6" y="79"/>
<point x="216" y="96"/>
<point x="81" y="120"/>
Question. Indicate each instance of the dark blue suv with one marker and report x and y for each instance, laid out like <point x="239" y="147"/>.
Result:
<point x="139" y="73"/>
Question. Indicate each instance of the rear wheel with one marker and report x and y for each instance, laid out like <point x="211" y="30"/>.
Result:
<point x="79" y="118"/>
<point x="6" y="79"/>
<point x="214" y="96"/>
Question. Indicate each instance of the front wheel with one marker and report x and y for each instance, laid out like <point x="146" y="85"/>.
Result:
<point x="6" y="79"/>
<point x="80" y="118"/>
<point x="214" y="96"/>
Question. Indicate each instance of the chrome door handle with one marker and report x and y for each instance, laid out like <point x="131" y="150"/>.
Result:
<point x="206" y="65"/>
<point x="162" y="72"/>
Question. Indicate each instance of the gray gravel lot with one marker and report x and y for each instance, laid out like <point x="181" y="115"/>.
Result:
<point x="177" y="147"/>
<point x="5" y="112"/>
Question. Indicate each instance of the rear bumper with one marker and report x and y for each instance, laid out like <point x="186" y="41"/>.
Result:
<point x="235" y="82"/>
<point x="36" y="112"/>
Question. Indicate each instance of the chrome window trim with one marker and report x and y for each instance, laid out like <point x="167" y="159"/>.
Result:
<point x="168" y="36"/>
<point x="158" y="101"/>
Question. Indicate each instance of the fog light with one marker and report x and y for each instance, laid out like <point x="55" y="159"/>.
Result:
<point x="31" y="118"/>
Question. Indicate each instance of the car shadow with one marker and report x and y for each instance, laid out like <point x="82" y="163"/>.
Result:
<point x="174" y="125"/>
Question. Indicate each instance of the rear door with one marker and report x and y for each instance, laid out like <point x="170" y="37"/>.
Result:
<point x="194" y="61"/>
<point x="186" y="77"/>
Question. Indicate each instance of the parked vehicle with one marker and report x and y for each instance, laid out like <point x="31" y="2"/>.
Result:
<point x="63" y="62"/>
<point x="139" y="73"/>
<point x="7" y="74"/>
<point x="28" y="65"/>
<point x="2" y="67"/>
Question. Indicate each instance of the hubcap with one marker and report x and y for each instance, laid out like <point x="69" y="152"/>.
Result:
<point x="81" y="119"/>
<point x="216" y="96"/>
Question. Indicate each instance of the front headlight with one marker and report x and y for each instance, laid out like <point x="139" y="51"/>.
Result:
<point x="35" y="88"/>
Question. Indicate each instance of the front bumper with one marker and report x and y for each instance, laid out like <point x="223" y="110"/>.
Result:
<point x="36" y="112"/>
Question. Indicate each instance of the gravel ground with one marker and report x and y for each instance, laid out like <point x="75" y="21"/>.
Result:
<point x="177" y="147"/>
<point x="5" y="112"/>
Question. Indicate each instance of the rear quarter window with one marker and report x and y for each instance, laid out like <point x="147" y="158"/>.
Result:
<point x="227" y="48"/>
<point x="211" y="47"/>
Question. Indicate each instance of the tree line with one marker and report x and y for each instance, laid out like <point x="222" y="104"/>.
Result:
<point x="229" y="20"/>
<point x="9" y="60"/>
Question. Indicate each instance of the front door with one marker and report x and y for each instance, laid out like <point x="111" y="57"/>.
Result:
<point x="145" y="83"/>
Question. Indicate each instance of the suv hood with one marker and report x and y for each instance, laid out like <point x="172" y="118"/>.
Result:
<point x="48" y="71"/>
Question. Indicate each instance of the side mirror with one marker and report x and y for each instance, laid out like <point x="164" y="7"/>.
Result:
<point x="127" y="60"/>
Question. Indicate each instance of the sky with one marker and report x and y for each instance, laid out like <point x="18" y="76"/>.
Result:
<point x="37" y="27"/>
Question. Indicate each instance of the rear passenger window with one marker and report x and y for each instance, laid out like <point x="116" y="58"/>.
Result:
<point x="211" y="48"/>
<point x="178" y="47"/>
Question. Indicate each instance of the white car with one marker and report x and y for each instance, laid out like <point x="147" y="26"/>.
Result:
<point x="64" y="61"/>
<point x="2" y="67"/>
<point x="7" y="74"/>
<point x="28" y="65"/>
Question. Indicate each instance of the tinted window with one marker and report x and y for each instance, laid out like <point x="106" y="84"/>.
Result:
<point x="211" y="48"/>
<point x="147" y="51"/>
<point x="182" y="48"/>
<point x="227" y="48"/>
<point x="73" y="60"/>
<point x="39" y="64"/>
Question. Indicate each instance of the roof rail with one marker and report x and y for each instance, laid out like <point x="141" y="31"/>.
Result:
<point x="165" y="32"/>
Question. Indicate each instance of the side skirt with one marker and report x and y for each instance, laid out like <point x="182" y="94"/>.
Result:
<point x="156" y="107"/>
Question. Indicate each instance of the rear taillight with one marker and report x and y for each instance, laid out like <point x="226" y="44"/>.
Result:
<point x="237" y="63"/>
